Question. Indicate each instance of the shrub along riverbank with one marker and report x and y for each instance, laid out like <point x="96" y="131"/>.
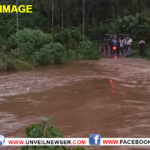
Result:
<point x="138" y="55"/>
<point x="28" y="48"/>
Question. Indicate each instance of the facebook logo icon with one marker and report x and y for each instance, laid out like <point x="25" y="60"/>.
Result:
<point x="94" y="139"/>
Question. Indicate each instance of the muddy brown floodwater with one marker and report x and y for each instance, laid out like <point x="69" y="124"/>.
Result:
<point x="110" y="97"/>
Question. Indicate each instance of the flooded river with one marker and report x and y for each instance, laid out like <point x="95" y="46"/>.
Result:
<point x="110" y="97"/>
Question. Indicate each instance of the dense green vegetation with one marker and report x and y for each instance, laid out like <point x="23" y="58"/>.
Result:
<point x="45" y="130"/>
<point x="33" y="47"/>
<point x="59" y="35"/>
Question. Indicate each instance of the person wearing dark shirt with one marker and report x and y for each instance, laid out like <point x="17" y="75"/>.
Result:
<point x="118" y="47"/>
<point x="142" y="47"/>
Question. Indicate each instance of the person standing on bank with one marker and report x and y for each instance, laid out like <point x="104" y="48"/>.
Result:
<point x="130" y="46"/>
<point x="142" y="47"/>
<point x="122" y="46"/>
<point x="118" y="47"/>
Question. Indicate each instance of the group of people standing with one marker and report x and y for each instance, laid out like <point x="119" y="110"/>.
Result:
<point x="120" y="46"/>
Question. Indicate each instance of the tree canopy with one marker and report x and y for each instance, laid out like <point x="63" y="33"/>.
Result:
<point x="100" y="15"/>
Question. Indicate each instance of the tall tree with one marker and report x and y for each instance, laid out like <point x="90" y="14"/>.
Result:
<point x="83" y="19"/>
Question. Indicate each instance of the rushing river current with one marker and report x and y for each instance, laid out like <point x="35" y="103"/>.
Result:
<point x="110" y="97"/>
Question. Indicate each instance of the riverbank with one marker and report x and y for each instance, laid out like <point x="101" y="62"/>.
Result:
<point x="147" y="57"/>
<point x="137" y="54"/>
<point x="30" y="48"/>
<point x="12" y="64"/>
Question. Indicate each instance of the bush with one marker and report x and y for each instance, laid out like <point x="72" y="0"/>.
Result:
<point x="28" y="41"/>
<point x="88" y="50"/>
<point x="2" y="44"/>
<point x="70" y="38"/>
<point x="49" y="54"/>
<point x="8" y="63"/>
<point x="45" y="130"/>
<point x="138" y="55"/>
<point x="70" y="55"/>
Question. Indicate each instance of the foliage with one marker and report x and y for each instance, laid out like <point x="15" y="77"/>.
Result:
<point x="137" y="53"/>
<point x="69" y="13"/>
<point x="28" y="41"/>
<point x="32" y="43"/>
<point x="88" y="51"/>
<point x="9" y="63"/>
<point x="138" y="26"/>
<point x="69" y="37"/>
<point x="49" y="54"/>
<point x="45" y="130"/>
<point x="75" y="46"/>
<point x="36" y="47"/>
<point x="130" y="25"/>
<point x="70" y="55"/>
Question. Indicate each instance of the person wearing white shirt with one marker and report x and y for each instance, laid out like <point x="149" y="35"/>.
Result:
<point x="130" y="45"/>
<point x="122" y="46"/>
